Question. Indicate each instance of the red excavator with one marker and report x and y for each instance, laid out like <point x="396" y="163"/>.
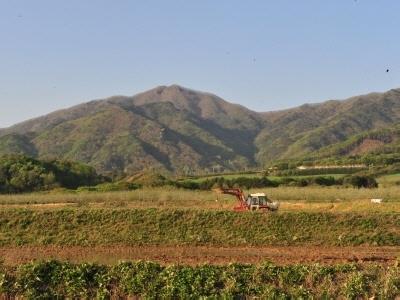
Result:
<point x="257" y="201"/>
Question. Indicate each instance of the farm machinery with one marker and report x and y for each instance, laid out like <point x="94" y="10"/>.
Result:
<point x="257" y="201"/>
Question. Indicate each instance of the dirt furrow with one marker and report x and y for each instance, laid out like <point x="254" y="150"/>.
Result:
<point x="199" y="255"/>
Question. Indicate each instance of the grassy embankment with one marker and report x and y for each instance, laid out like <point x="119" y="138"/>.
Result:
<point x="87" y="227"/>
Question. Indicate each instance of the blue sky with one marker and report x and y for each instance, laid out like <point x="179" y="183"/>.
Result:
<point x="266" y="55"/>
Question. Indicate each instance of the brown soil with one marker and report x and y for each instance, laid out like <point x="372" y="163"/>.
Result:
<point x="38" y="206"/>
<point x="200" y="255"/>
<point x="366" y="146"/>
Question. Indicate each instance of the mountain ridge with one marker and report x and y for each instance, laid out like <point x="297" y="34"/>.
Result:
<point x="182" y="130"/>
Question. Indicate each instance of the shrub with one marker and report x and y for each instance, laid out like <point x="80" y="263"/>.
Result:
<point x="359" y="181"/>
<point x="325" y="181"/>
<point x="110" y="187"/>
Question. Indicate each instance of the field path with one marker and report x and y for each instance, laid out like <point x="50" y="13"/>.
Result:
<point x="199" y="255"/>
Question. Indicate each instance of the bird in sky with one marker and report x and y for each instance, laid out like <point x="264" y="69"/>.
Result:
<point x="387" y="70"/>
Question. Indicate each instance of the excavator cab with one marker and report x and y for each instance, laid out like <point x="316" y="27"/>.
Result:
<point x="258" y="201"/>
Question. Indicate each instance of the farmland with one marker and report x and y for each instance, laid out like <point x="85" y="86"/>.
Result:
<point x="292" y="198"/>
<point x="150" y="280"/>
<point x="173" y="195"/>
<point x="195" y="231"/>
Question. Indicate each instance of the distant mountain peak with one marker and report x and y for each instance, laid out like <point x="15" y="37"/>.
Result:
<point x="183" y="98"/>
<point x="173" y="88"/>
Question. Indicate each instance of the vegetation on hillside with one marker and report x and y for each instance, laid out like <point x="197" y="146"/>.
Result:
<point x="17" y="144"/>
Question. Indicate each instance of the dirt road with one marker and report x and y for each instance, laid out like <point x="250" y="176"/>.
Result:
<point x="200" y="255"/>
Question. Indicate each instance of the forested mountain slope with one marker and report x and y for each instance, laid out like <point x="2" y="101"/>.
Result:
<point x="180" y="130"/>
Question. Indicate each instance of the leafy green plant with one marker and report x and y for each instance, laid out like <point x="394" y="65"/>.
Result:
<point x="59" y="280"/>
<point x="356" y="286"/>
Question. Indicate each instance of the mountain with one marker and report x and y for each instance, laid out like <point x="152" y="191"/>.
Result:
<point x="302" y="131"/>
<point x="180" y="130"/>
<point x="169" y="128"/>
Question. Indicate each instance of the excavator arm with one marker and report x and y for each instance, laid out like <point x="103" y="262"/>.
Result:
<point x="238" y="193"/>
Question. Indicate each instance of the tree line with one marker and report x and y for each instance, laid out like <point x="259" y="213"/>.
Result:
<point x="19" y="174"/>
<point x="357" y="181"/>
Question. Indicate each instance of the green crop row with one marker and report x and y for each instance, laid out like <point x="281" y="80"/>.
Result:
<point x="195" y="227"/>
<point x="59" y="280"/>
